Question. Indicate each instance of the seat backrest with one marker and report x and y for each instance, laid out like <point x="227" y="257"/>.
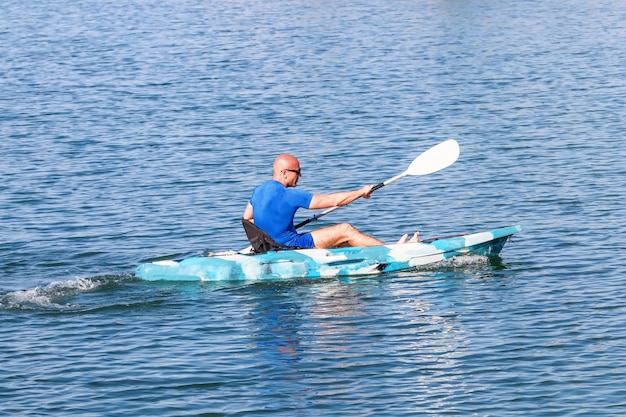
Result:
<point x="261" y="242"/>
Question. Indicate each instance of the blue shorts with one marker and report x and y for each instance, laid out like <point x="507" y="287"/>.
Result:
<point x="304" y="240"/>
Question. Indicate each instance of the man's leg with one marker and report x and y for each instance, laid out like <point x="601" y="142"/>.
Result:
<point x="344" y="233"/>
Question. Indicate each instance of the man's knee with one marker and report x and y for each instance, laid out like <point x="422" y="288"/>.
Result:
<point x="347" y="229"/>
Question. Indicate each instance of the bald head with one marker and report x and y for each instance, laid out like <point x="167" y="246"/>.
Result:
<point x="284" y="167"/>
<point x="285" y="161"/>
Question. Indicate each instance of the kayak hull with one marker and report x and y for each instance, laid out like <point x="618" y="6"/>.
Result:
<point x="317" y="263"/>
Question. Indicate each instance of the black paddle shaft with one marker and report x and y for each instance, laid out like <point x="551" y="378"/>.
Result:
<point x="377" y="186"/>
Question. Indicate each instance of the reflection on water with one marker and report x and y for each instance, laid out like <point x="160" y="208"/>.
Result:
<point x="303" y="329"/>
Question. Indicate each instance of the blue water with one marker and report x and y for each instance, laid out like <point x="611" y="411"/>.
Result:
<point x="137" y="128"/>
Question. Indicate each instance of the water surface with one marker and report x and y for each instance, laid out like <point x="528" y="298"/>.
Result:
<point x="137" y="129"/>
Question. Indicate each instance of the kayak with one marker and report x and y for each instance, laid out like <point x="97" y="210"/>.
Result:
<point x="318" y="263"/>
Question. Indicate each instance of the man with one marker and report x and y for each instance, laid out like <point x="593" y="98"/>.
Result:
<point x="274" y="203"/>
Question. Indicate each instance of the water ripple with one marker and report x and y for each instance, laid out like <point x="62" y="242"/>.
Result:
<point x="136" y="130"/>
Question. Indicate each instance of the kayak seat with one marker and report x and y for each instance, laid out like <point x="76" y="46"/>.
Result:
<point x="262" y="242"/>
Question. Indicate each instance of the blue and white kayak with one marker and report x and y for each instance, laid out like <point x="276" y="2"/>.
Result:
<point x="317" y="263"/>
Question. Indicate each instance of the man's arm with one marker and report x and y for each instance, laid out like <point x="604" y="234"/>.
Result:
<point x="248" y="214"/>
<point x="322" y="201"/>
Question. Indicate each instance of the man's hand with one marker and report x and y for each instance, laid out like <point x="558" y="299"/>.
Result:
<point x="366" y="191"/>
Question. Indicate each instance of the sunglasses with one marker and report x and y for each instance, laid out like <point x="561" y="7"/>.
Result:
<point x="297" y="171"/>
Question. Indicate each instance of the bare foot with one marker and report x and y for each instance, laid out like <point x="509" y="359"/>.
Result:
<point x="415" y="238"/>
<point x="403" y="239"/>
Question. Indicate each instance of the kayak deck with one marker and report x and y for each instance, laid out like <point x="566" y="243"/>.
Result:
<point x="317" y="263"/>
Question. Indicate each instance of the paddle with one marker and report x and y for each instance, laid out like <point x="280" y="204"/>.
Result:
<point x="432" y="160"/>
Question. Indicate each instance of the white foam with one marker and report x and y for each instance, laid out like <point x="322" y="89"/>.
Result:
<point x="49" y="296"/>
<point x="463" y="261"/>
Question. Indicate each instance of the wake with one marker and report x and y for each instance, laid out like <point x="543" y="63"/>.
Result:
<point x="55" y="296"/>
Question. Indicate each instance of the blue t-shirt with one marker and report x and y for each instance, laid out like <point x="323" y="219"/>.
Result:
<point x="273" y="207"/>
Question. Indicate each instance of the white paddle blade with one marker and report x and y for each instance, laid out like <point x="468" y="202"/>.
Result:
<point x="436" y="158"/>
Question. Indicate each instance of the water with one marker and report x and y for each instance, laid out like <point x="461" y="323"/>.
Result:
<point x="136" y="129"/>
